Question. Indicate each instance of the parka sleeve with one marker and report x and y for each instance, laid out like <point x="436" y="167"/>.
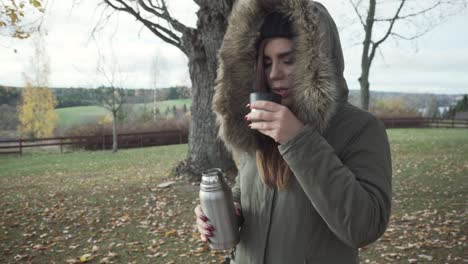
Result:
<point x="352" y="195"/>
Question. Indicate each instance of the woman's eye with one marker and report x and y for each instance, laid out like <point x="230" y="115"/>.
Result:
<point x="289" y="61"/>
<point x="267" y="64"/>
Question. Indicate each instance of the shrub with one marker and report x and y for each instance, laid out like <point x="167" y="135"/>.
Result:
<point x="392" y="108"/>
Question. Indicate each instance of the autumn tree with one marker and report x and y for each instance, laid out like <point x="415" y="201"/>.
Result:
<point x="200" y="45"/>
<point x="392" y="108"/>
<point x="12" y="16"/>
<point x="37" y="114"/>
<point x="36" y="110"/>
<point x="397" y="19"/>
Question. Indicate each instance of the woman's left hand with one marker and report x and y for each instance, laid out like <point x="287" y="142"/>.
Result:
<point x="274" y="120"/>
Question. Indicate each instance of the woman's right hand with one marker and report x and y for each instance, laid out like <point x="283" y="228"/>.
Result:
<point x="204" y="228"/>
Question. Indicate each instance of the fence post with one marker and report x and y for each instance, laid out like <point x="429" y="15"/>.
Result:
<point x="61" y="145"/>
<point x="21" y="146"/>
<point x="103" y="142"/>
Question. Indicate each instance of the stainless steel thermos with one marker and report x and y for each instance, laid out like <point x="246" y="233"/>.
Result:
<point x="217" y="204"/>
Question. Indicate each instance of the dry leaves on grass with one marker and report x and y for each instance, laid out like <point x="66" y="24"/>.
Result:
<point x="414" y="237"/>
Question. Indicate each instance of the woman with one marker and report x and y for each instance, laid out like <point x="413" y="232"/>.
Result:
<point x="314" y="181"/>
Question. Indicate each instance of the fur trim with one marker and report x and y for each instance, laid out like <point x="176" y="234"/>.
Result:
<point x="317" y="79"/>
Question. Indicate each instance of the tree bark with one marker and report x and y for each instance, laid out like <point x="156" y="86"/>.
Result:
<point x="364" y="84"/>
<point x="205" y="149"/>
<point x="367" y="58"/>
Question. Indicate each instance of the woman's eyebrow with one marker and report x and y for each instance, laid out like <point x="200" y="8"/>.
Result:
<point x="280" y="55"/>
<point x="285" y="54"/>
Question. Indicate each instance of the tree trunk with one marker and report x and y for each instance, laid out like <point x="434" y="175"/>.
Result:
<point x="367" y="56"/>
<point x="364" y="83"/>
<point x="205" y="149"/>
<point x="114" y="131"/>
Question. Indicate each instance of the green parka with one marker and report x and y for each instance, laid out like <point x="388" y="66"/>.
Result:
<point x="340" y="196"/>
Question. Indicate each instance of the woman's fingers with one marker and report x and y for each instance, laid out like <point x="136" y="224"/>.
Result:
<point x="204" y="238"/>
<point x="238" y="209"/>
<point x="199" y="213"/>
<point x="204" y="228"/>
<point x="260" y="116"/>
<point x="262" y="126"/>
<point x="266" y="105"/>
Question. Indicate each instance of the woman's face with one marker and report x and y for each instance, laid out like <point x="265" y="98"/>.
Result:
<point x="278" y="61"/>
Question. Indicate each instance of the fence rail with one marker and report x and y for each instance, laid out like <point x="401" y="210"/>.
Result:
<point x="159" y="138"/>
<point x="419" y="122"/>
<point x="125" y="140"/>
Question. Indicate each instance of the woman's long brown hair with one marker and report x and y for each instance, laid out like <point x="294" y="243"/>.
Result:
<point x="274" y="171"/>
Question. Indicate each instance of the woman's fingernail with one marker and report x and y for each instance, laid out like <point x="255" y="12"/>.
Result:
<point x="247" y="106"/>
<point x="250" y="125"/>
<point x="210" y="227"/>
<point x="246" y="118"/>
<point x="208" y="233"/>
<point x="204" y="218"/>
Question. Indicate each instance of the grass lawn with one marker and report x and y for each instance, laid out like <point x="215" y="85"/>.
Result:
<point x="70" y="116"/>
<point x="106" y="208"/>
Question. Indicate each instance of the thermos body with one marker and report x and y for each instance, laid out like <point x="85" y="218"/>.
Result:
<point x="217" y="204"/>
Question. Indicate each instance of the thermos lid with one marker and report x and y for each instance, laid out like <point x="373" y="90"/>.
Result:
<point x="212" y="179"/>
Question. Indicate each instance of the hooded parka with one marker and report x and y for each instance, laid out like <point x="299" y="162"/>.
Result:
<point x="339" y="198"/>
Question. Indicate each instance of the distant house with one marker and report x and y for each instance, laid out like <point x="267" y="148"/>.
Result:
<point x="461" y="115"/>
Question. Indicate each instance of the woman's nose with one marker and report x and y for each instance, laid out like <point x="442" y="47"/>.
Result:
<point x="276" y="72"/>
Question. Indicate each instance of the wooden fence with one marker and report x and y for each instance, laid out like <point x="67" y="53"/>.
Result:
<point x="159" y="138"/>
<point x="125" y="140"/>
<point x="419" y="122"/>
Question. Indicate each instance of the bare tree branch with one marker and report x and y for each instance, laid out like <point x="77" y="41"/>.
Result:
<point x="412" y="37"/>
<point x="162" y="32"/>
<point x="355" y="7"/>
<point x="164" y="14"/>
<point x="375" y="45"/>
<point x="371" y="46"/>
<point x="410" y="15"/>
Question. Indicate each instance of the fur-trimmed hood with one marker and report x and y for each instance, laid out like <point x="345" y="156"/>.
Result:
<point x="318" y="86"/>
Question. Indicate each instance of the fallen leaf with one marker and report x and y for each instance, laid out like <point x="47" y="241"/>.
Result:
<point x="86" y="257"/>
<point x="166" y="184"/>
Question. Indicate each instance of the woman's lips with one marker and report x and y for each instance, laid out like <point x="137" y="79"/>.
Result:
<point x="283" y="92"/>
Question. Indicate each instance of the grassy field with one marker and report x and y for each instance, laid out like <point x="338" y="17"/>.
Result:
<point x="71" y="116"/>
<point x="107" y="208"/>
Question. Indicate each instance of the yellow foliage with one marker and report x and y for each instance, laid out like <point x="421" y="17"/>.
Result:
<point x="106" y="119"/>
<point x="12" y="14"/>
<point x="36" y="112"/>
<point x="392" y="108"/>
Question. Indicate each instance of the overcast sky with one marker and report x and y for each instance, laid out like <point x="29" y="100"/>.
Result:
<point x="435" y="63"/>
